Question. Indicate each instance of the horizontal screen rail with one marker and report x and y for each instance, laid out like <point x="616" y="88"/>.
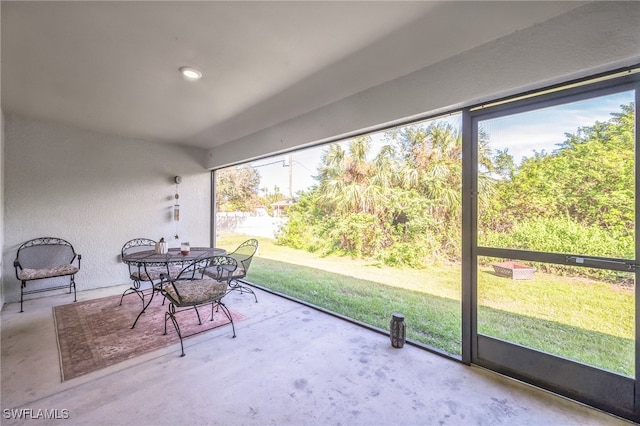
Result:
<point x="616" y="264"/>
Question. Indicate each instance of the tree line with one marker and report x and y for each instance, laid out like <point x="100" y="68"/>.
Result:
<point x="403" y="205"/>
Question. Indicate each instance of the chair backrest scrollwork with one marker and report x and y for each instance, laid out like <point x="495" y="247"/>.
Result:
<point x="244" y="255"/>
<point x="136" y="245"/>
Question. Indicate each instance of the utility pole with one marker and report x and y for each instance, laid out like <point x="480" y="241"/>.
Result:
<point x="290" y="161"/>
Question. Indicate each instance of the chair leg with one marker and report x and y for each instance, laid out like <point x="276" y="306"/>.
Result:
<point x="198" y="314"/>
<point x="175" y="324"/>
<point x="247" y="289"/>
<point x="134" y="289"/>
<point x="73" y="284"/>
<point x="171" y="314"/>
<point x="228" y="314"/>
<point x="22" y="295"/>
<point x="243" y="289"/>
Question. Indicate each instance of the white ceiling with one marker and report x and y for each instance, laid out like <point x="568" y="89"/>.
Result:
<point x="112" y="67"/>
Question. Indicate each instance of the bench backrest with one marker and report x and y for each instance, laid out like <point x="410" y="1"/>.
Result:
<point x="46" y="252"/>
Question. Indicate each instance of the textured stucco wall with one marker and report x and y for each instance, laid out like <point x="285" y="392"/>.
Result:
<point x="593" y="38"/>
<point x="97" y="191"/>
<point x="1" y="207"/>
<point x="1" y="189"/>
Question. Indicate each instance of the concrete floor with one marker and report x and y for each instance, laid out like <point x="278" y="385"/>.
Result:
<point x="289" y="365"/>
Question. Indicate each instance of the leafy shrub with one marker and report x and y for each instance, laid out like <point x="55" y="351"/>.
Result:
<point x="564" y="235"/>
<point x="404" y="254"/>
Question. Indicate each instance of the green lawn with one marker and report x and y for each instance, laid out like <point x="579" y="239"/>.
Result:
<point x="587" y="321"/>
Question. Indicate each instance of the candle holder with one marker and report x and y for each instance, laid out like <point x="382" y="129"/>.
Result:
<point x="185" y="248"/>
<point x="398" y="330"/>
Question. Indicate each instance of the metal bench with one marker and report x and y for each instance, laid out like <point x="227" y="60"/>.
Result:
<point x="43" y="259"/>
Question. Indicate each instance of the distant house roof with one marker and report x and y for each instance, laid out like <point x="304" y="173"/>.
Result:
<point x="282" y="203"/>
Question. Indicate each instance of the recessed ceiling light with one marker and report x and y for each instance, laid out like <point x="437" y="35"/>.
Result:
<point x="191" y="73"/>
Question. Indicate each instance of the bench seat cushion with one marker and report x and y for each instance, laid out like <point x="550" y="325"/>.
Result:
<point x="27" y="274"/>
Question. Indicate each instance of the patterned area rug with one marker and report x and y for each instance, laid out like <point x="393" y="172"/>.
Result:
<point x="97" y="333"/>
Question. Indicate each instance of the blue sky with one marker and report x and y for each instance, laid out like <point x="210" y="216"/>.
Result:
<point x="526" y="133"/>
<point x="523" y="134"/>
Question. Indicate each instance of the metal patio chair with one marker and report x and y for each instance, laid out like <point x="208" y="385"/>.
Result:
<point x="201" y="282"/>
<point x="243" y="254"/>
<point x="139" y="272"/>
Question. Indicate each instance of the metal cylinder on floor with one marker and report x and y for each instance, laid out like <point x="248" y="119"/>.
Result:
<point x="398" y="329"/>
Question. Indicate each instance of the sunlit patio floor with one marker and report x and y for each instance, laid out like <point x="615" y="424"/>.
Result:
<point x="288" y="365"/>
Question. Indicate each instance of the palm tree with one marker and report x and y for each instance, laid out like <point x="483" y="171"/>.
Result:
<point x="344" y="177"/>
<point x="414" y="180"/>
<point x="433" y="166"/>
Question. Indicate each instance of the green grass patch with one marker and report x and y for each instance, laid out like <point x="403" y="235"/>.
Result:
<point x="584" y="320"/>
<point x="430" y="319"/>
